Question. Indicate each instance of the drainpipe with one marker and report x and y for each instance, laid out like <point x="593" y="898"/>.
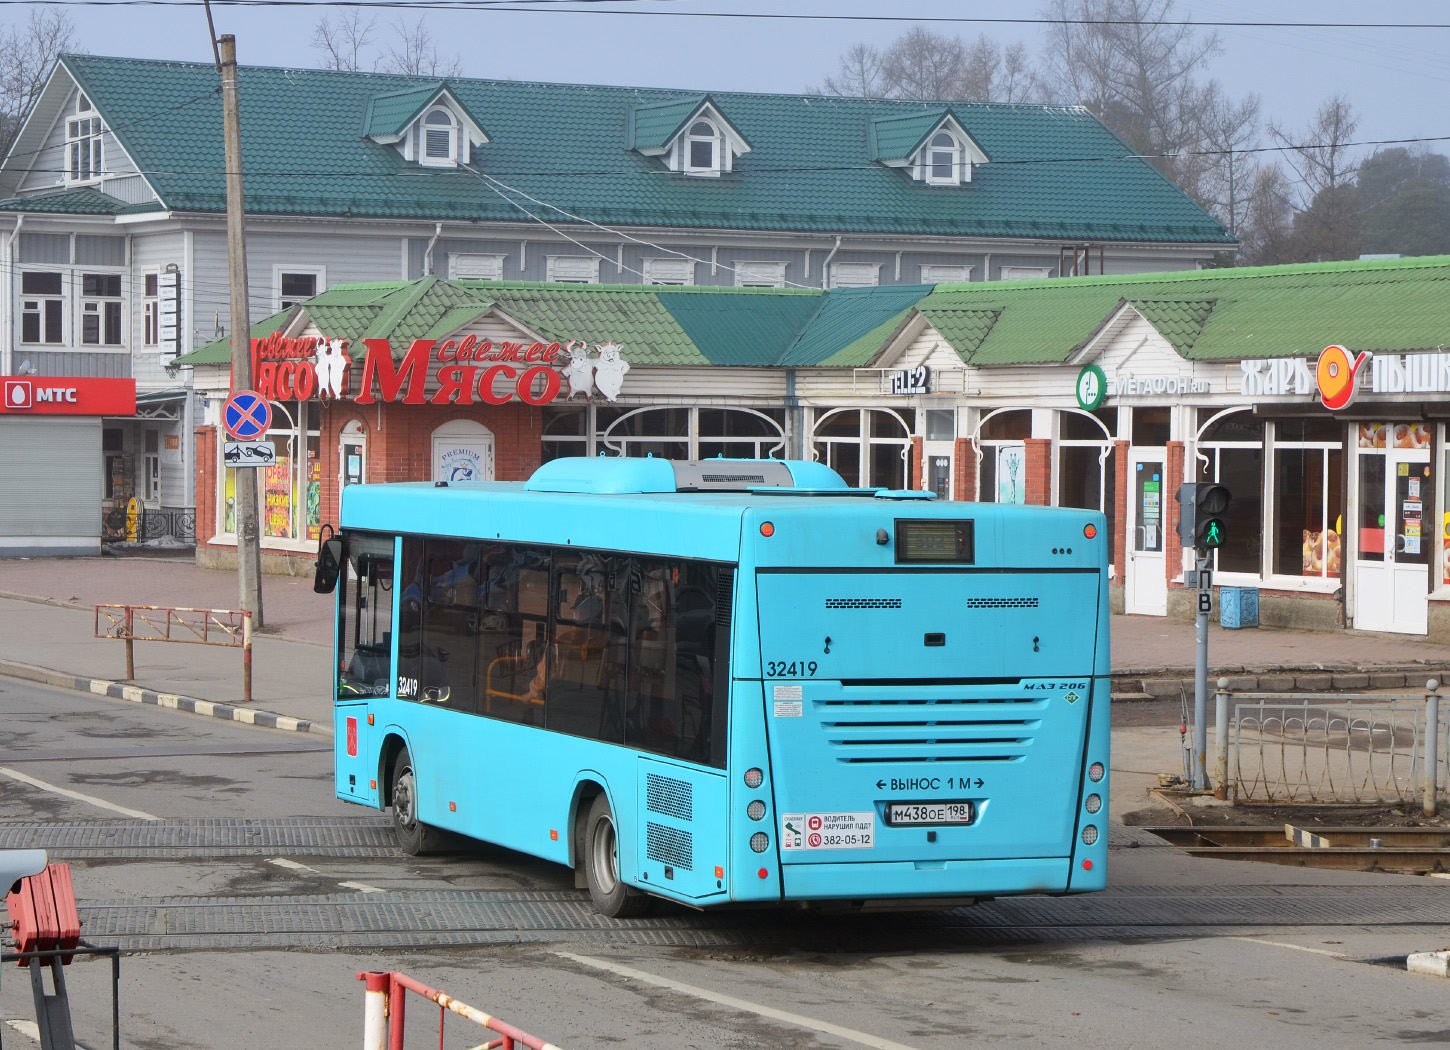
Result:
<point x="826" y="266"/>
<point x="793" y="445"/>
<point x="7" y="363"/>
<point x="428" y="254"/>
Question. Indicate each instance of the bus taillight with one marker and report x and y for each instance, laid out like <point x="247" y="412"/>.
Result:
<point x="1089" y="530"/>
<point x="754" y="778"/>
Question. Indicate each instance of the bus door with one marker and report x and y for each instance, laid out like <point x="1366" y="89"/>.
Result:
<point x="364" y="660"/>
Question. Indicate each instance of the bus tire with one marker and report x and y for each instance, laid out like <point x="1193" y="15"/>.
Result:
<point x="608" y="891"/>
<point x="414" y="837"/>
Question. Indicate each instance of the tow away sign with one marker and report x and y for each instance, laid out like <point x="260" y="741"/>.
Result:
<point x="248" y="453"/>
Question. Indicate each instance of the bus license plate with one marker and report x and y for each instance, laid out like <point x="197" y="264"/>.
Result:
<point x="899" y="814"/>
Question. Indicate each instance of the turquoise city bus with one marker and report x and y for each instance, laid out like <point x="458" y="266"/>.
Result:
<point x="729" y="681"/>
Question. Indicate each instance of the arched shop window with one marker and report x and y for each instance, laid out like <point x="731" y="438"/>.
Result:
<point x="869" y="447"/>
<point x="740" y="433"/>
<point x="566" y="432"/>
<point x="660" y="432"/>
<point x="1086" y="474"/>
<point x="1001" y="450"/>
<point x="290" y="490"/>
<point x="1231" y="452"/>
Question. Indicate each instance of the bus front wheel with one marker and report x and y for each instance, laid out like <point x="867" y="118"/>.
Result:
<point x="601" y="866"/>
<point x="414" y="837"/>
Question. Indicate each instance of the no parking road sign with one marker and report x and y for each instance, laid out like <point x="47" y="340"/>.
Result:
<point x="246" y="415"/>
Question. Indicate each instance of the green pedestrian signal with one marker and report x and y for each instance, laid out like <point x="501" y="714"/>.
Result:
<point x="1208" y="509"/>
<point x="1213" y="533"/>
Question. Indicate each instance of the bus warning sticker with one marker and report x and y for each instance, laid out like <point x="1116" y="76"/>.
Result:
<point x="788" y="702"/>
<point x="801" y="831"/>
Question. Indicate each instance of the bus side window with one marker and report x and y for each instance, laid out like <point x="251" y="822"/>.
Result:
<point x="589" y="645"/>
<point x="513" y="618"/>
<point x="450" y="625"/>
<point x="669" y="708"/>
<point x="410" y="618"/>
<point x="365" y="634"/>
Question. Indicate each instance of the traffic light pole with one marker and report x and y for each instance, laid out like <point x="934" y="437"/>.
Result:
<point x="1200" y="674"/>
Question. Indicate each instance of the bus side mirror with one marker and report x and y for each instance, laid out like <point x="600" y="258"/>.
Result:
<point x="329" y="565"/>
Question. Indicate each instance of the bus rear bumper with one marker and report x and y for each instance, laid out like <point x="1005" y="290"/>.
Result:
<point x="952" y="878"/>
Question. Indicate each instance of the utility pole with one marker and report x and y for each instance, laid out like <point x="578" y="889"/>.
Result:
<point x="249" y="551"/>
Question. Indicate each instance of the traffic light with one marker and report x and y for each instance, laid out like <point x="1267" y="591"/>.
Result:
<point x="1200" y="517"/>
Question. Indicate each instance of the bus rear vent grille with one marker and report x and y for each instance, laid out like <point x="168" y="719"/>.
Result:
<point x="863" y="603"/>
<point x="758" y="479"/>
<point x="670" y="797"/>
<point x="724" y="596"/>
<point x="1001" y="603"/>
<point x="670" y="846"/>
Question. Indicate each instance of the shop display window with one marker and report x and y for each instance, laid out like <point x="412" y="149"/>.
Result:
<point x="1152" y="426"/>
<point x="1086" y="462"/>
<point x="1231" y="452"/>
<point x="740" y="433"/>
<point x="840" y="433"/>
<point x="565" y="432"/>
<point x="660" y="432"/>
<point x="1308" y="498"/>
<point x="1002" y="467"/>
<point x="290" y="490"/>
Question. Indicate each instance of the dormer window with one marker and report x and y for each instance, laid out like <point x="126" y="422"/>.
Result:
<point x="931" y="146"/>
<point x="703" y="143"/>
<point x="943" y="158"/>
<point x="83" y="148"/>
<point x="440" y="136"/>
<point x="690" y="135"/>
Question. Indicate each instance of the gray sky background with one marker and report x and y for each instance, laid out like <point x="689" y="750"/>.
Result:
<point x="1396" y="79"/>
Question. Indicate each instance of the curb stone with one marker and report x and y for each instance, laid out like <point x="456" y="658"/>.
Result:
<point x="137" y="695"/>
<point x="1434" y="964"/>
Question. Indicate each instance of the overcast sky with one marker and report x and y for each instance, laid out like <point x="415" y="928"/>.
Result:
<point x="1397" y="79"/>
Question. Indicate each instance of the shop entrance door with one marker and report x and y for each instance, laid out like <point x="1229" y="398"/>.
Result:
<point x="1145" y="583"/>
<point x="1394" y="541"/>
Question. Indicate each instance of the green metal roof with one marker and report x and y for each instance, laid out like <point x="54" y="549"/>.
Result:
<point x="1055" y="174"/>
<point x="899" y="137"/>
<point x="655" y="126"/>
<point x="1211" y="315"/>
<point x="389" y="114"/>
<point x="83" y="201"/>
<point x="1279" y="311"/>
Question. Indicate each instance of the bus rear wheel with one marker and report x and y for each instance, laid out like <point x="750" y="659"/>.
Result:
<point x="601" y="865"/>
<point x="414" y="837"/>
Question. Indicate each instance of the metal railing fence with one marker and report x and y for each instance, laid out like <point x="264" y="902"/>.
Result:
<point x="1326" y="748"/>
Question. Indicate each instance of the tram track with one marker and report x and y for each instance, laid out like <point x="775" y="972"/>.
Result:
<point x="447" y="917"/>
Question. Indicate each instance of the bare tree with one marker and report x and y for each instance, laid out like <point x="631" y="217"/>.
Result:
<point x="1267" y="225"/>
<point x="415" y="53"/>
<point x="342" y="41"/>
<point x="27" y="54"/>
<point x="1222" y="171"/>
<point x="927" y="66"/>
<point x="1327" y="220"/>
<point x="1136" y="72"/>
<point x="858" y="74"/>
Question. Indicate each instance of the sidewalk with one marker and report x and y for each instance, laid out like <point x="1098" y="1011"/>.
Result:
<point x="47" y="620"/>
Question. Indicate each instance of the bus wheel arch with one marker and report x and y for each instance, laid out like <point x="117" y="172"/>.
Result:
<point x="393" y="745"/>
<point x="414" y="836"/>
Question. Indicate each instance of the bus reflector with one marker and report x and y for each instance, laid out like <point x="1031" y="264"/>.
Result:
<point x="760" y="842"/>
<point x="767" y="528"/>
<point x="1089" y="530"/>
<point x="370" y="720"/>
<point x="754" y="778"/>
<point x="1087" y="865"/>
<point x="763" y="873"/>
<point x="553" y="835"/>
<point x="453" y="807"/>
<point x="719" y="872"/>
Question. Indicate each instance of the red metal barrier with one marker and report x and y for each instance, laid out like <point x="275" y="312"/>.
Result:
<point x="163" y="623"/>
<point x="384" y="1012"/>
<point x="43" y="913"/>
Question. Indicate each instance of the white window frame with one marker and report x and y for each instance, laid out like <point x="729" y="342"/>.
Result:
<point x="452" y="129"/>
<point x="946" y="273"/>
<point x="84" y="148"/>
<point x="760" y="274"/>
<point x="669" y="270"/>
<point x="839" y="270"/>
<point x="150" y="308"/>
<point x="474" y="266"/>
<point x="1024" y="273"/>
<point x="571" y="269"/>
<point x="718" y="148"/>
<point x="278" y="269"/>
<point x="36" y="304"/>
<point x="100" y="306"/>
<point x="926" y="160"/>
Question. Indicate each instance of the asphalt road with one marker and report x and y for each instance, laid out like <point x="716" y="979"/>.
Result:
<point x="249" y="898"/>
